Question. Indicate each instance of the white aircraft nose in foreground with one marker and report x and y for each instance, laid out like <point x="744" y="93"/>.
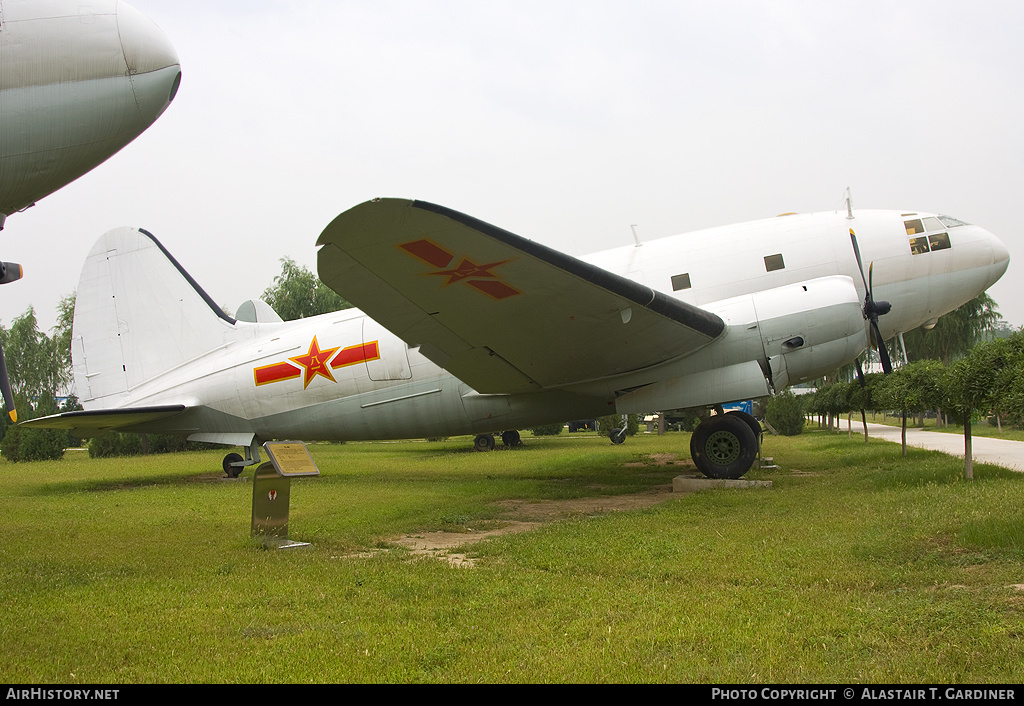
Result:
<point x="79" y="80"/>
<point x="468" y="329"/>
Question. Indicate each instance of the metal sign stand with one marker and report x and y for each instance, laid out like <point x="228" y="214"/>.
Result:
<point x="271" y="491"/>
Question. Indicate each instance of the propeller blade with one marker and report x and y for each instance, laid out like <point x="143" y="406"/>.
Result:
<point x="860" y="263"/>
<point x="860" y="371"/>
<point x="5" y="388"/>
<point x="882" y="352"/>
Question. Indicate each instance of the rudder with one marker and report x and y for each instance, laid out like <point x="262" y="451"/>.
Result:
<point x="138" y="314"/>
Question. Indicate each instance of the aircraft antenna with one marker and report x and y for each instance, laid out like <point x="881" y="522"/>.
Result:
<point x="636" y="238"/>
<point x="849" y="204"/>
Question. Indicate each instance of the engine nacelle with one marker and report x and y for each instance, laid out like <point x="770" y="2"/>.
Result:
<point x="810" y="328"/>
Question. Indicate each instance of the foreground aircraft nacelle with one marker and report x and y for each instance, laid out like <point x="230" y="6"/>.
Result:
<point x="468" y="329"/>
<point x="79" y="80"/>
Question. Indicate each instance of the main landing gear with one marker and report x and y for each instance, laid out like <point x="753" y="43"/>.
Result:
<point x="485" y="442"/>
<point x="725" y="445"/>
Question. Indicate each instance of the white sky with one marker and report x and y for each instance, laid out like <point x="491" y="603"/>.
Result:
<point x="562" y="121"/>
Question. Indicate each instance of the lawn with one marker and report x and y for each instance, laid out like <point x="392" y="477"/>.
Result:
<point x="858" y="565"/>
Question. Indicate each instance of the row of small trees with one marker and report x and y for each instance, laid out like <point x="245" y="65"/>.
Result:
<point x="989" y="380"/>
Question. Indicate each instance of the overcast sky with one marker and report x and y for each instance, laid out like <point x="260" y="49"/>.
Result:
<point x="563" y="122"/>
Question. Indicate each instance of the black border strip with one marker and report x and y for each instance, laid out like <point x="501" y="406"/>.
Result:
<point x="686" y="314"/>
<point x="188" y="278"/>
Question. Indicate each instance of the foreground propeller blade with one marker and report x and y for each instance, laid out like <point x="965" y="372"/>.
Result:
<point x="5" y="388"/>
<point x="860" y="263"/>
<point x="872" y="309"/>
<point x="882" y="352"/>
<point x="860" y="371"/>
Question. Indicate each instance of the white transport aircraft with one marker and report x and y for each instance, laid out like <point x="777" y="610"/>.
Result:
<point x="465" y="328"/>
<point x="79" y="80"/>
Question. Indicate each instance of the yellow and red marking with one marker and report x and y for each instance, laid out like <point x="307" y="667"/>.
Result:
<point x="316" y="362"/>
<point x="480" y="277"/>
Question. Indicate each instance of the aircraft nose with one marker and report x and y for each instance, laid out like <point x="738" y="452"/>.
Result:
<point x="150" y="59"/>
<point x="1000" y="255"/>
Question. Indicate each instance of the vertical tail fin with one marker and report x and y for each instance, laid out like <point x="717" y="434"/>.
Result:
<point x="137" y="314"/>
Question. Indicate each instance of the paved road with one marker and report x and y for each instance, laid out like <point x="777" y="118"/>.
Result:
<point x="1001" y="452"/>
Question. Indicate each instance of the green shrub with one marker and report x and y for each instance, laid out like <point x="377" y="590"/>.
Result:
<point x="33" y="444"/>
<point x="114" y="443"/>
<point x="614" y="421"/>
<point x="548" y="429"/>
<point x="785" y="412"/>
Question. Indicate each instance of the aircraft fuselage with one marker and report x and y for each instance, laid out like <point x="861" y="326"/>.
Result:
<point x="788" y="289"/>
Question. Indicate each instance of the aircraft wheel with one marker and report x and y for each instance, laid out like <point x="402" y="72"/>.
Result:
<point x="511" y="438"/>
<point x="617" y="436"/>
<point x="483" y="442"/>
<point x="755" y="426"/>
<point x="723" y="446"/>
<point x="229" y="470"/>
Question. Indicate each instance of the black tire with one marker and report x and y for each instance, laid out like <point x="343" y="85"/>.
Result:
<point x="230" y="470"/>
<point x="483" y="442"/>
<point x="511" y="438"/>
<point x="723" y="446"/>
<point x="617" y="436"/>
<point x="755" y="426"/>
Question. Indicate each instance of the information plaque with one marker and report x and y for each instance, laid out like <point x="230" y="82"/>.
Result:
<point x="291" y="458"/>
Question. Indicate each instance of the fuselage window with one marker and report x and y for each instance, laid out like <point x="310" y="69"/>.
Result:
<point x="774" y="262"/>
<point x="939" y="241"/>
<point x="680" y="281"/>
<point x="918" y="245"/>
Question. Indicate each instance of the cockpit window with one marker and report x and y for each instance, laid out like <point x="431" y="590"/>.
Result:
<point x="917" y="228"/>
<point x="939" y="241"/>
<point x="951" y="222"/>
<point x="918" y="245"/>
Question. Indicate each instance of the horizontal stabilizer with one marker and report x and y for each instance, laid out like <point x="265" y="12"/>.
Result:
<point x="93" y="422"/>
<point x="502" y="313"/>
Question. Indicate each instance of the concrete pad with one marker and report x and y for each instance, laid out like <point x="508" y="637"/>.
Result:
<point x="690" y="484"/>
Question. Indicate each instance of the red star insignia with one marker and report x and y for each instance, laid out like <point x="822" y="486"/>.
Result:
<point x="466" y="269"/>
<point x="315" y="363"/>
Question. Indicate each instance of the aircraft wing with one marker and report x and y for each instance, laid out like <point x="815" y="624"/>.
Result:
<point x="502" y="313"/>
<point x="88" y="423"/>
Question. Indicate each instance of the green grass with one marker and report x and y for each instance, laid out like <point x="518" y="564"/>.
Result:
<point x="857" y="566"/>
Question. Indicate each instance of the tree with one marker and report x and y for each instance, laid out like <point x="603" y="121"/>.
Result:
<point x="40" y="371"/>
<point x="1009" y="395"/>
<point x="914" y="387"/>
<point x="785" y="413"/>
<point x="863" y="395"/>
<point x="297" y="293"/>
<point x="972" y="385"/>
<point x="955" y="334"/>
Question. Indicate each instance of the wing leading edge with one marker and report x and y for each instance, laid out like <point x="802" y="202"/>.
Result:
<point x="500" y="312"/>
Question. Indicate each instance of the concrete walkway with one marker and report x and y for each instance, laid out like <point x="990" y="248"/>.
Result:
<point x="1001" y="452"/>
